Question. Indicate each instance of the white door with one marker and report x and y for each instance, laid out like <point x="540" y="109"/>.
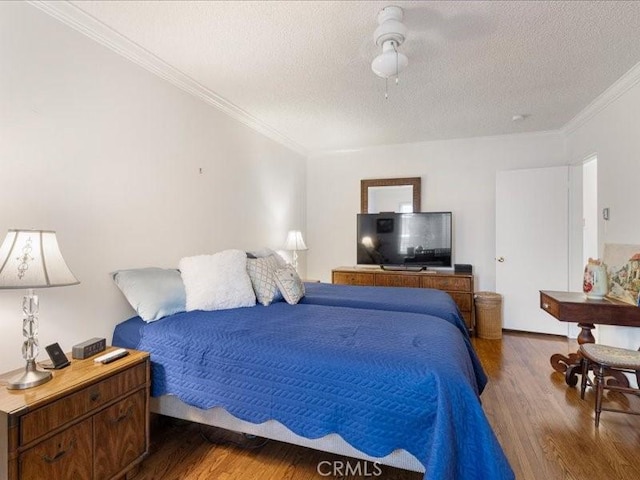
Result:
<point x="532" y="244"/>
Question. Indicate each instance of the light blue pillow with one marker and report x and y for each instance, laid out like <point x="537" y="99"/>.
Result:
<point x="153" y="292"/>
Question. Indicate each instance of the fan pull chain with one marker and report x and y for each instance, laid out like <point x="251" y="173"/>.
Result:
<point x="397" y="68"/>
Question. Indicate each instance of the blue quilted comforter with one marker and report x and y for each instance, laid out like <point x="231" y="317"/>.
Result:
<point x="395" y="299"/>
<point x="382" y="381"/>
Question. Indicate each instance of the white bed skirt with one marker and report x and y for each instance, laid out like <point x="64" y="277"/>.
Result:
<point x="218" y="417"/>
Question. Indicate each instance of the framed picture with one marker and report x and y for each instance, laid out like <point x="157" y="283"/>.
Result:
<point x="623" y="268"/>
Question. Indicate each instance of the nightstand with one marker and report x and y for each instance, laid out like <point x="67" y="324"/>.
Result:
<point x="91" y="421"/>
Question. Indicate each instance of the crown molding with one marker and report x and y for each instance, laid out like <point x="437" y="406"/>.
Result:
<point x="481" y="138"/>
<point x="79" y="20"/>
<point x="622" y="85"/>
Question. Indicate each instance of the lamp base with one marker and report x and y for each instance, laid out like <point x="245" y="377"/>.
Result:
<point x="30" y="378"/>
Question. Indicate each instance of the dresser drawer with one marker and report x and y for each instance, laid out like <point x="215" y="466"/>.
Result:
<point x="468" y="319"/>
<point x="64" y="456"/>
<point x="43" y="420"/>
<point x="391" y="280"/>
<point x="447" y="283"/>
<point x="121" y="430"/>
<point x="463" y="300"/>
<point x="353" y="278"/>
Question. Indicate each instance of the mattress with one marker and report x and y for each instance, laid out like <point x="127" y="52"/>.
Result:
<point x="382" y="381"/>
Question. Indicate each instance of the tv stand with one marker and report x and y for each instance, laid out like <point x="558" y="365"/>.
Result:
<point x="458" y="285"/>
<point x="402" y="268"/>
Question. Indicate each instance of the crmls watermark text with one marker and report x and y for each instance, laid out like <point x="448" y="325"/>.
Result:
<point x="338" y="468"/>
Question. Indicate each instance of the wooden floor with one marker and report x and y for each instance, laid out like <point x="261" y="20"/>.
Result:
<point x="547" y="432"/>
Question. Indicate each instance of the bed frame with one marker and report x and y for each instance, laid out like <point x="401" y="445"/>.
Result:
<point x="172" y="406"/>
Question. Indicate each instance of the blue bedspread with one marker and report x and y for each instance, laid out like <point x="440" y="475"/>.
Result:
<point x="395" y="299"/>
<point x="382" y="382"/>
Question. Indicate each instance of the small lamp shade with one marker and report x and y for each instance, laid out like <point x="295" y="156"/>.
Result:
<point x="32" y="259"/>
<point x="295" y="241"/>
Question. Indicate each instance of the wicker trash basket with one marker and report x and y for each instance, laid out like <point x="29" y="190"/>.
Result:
<point x="488" y="315"/>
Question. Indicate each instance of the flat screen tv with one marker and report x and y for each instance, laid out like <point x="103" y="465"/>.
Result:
<point x="412" y="240"/>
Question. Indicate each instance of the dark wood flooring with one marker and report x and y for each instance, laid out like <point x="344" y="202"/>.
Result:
<point x="547" y="432"/>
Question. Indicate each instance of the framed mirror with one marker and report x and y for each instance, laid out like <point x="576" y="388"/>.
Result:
<point x="390" y="195"/>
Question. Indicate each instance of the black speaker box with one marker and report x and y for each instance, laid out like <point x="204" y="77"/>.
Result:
<point x="462" y="268"/>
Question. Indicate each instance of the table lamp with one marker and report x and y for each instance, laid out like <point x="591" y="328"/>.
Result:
<point x="31" y="259"/>
<point x="295" y="243"/>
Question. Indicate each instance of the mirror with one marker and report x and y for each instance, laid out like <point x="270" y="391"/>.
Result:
<point x="390" y="195"/>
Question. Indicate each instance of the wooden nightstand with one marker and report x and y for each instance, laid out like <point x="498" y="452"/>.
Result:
<point x="91" y="421"/>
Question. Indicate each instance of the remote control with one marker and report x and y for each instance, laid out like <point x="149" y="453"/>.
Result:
<point x="111" y="356"/>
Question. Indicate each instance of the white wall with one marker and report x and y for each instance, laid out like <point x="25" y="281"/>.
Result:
<point x="590" y="212"/>
<point x="108" y="155"/>
<point x="612" y="134"/>
<point x="457" y="175"/>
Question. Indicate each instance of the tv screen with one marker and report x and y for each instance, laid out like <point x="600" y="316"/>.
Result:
<point x="405" y="239"/>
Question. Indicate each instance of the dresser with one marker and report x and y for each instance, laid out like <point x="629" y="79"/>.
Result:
<point x="91" y="421"/>
<point x="458" y="285"/>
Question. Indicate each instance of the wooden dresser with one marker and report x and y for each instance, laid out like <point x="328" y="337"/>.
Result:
<point x="91" y="421"/>
<point x="458" y="285"/>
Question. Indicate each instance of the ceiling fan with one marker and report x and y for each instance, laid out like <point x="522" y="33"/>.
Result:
<point x="389" y="35"/>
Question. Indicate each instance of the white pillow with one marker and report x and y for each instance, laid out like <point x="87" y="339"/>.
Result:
<point x="261" y="272"/>
<point x="217" y="282"/>
<point x="267" y="252"/>
<point x="289" y="284"/>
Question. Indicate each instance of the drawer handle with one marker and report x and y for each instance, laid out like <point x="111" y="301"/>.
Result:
<point x="545" y="306"/>
<point x="94" y="396"/>
<point x="60" y="454"/>
<point x="123" y="416"/>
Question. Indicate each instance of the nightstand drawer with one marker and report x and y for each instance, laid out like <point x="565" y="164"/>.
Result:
<point x="121" y="430"/>
<point x="66" y="455"/>
<point x="43" y="420"/>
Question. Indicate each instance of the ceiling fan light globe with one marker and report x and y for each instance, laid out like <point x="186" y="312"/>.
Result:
<point x="389" y="64"/>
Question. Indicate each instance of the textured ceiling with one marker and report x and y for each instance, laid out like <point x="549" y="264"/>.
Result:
<point x="303" y="67"/>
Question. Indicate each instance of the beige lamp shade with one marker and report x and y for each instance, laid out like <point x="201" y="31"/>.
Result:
<point x="32" y="259"/>
<point x="294" y="241"/>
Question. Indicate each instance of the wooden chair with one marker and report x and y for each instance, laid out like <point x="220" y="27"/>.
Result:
<point x="601" y="358"/>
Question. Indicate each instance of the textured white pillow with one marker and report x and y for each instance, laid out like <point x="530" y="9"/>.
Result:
<point x="217" y="282"/>
<point x="290" y="284"/>
<point x="267" y="252"/>
<point x="261" y="271"/>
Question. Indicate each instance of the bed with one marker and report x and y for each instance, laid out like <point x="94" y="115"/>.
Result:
<point x="395" y="299"/>
<point x="400" y="388"/>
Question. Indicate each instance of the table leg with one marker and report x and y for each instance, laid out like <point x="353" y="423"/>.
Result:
<point x="571" y="365"/>
<point x="585" y="335"/>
